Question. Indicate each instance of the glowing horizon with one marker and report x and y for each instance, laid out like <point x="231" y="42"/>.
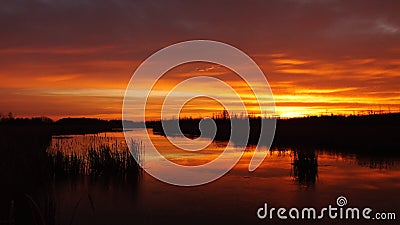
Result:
<point x="316" y="62"/>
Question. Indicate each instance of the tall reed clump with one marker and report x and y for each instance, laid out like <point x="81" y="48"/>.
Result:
<point x="102" y="160"/>
<point x="305" y="167"/>
<point x="66" y="164"/>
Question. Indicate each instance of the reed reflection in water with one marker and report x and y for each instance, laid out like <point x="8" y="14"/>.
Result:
<point x="104" y="198"/>
<point x="305" y="167"/>
<point x="53" y="180"/>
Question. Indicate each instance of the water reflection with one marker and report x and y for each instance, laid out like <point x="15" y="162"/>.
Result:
<point x="288" y="176"/>
<point x="366" y="180"/>
<point x="305" y="167"/>
<point x="381" y="163"/>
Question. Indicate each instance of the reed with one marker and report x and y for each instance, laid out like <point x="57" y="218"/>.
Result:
<point x="100" y="160"/>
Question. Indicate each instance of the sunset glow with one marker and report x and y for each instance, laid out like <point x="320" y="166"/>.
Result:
<point x="319" y="58"/>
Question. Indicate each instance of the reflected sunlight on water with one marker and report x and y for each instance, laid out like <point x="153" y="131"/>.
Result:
<point x="287" y="177"/>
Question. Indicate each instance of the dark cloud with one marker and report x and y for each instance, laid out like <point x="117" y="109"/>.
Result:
<point x="253" y="26"/>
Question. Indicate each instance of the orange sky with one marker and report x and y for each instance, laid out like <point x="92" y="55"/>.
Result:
<point x="59" y="58"/>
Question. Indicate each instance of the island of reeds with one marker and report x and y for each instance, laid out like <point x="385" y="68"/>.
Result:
<point x="376" y="133"/>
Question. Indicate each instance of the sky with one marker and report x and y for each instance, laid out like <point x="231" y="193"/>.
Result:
<point x="66" y="58"/>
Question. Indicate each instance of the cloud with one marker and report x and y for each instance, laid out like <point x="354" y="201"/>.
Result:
<point x="327" y="50"/>
<point x="57" y="78"/>
<point x="283" y="61"/>
<point x="386" y="27"/>
<point x="324" y="91"/>
<point x="56" y="50"/>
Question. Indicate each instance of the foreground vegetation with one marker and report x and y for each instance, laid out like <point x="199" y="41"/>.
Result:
<point x="28" y="171"/>
<point x="100" y="161"/>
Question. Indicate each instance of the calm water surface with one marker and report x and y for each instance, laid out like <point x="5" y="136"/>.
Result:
<point x="366" y="181"/>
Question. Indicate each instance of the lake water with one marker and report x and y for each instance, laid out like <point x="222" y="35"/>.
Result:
<point x="282" y="180"/>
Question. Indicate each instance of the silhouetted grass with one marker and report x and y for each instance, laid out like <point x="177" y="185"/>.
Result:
<point x="24" y="172"/>
<point x="100" y="161"/>
<point x="27" y="169"/>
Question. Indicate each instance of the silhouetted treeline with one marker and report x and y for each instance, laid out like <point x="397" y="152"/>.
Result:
<point x="84" y="126"/>
<point x="69" y="125"/>
<point x="373" y="133"/>
<point x="377" y="133"/>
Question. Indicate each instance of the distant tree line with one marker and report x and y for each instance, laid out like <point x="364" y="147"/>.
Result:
<point x="65" y="125"/>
